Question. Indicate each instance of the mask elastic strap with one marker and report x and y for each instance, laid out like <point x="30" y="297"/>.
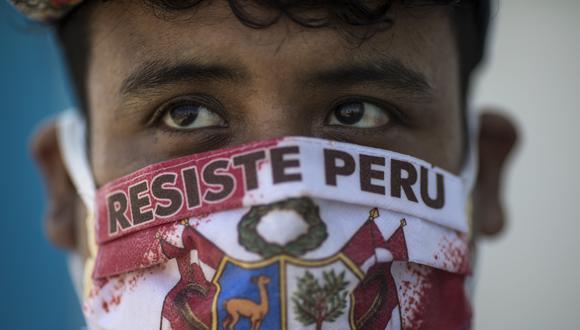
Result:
<point x="468" y="175"/>
<point x="73" y="145"/>
<point x="469" y="171"/>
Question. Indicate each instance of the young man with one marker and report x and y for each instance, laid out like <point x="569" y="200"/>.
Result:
<point x="158" y="80"/>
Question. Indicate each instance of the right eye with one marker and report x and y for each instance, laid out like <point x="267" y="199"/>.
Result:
<point x="191" y="116"/>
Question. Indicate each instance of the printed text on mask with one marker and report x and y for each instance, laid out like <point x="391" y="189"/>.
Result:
<point x="192" y="187"/>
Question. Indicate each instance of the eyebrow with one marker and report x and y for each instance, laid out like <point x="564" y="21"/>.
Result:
<point x="157" y="73"/>
<point x="389" y="73"/>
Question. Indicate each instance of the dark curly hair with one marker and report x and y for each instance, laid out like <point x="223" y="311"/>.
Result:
<point x="470" y="19"/>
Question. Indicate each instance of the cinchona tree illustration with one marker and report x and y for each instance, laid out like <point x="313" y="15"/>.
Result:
<point x="315" y="304"/>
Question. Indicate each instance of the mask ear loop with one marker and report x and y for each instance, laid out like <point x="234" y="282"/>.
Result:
<point x="468" y="176"/>
<point x="73" y="146"/>
<point x="469" y="170"/>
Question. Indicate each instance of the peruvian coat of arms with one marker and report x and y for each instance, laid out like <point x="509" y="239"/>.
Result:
<point x="285" y="288"/>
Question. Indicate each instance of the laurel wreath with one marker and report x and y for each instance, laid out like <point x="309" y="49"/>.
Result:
<point x="312" y="239"/>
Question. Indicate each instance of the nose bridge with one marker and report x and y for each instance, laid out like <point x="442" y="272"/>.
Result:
<point x="276" y="104"/>
<point x="269" y="120"/>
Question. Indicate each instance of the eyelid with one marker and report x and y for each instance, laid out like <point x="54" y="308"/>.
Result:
<point x="204" y="100"/>
<point x="394" y="112"/>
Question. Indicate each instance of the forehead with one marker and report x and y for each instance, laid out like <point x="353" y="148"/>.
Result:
<point x="127" y="33"/>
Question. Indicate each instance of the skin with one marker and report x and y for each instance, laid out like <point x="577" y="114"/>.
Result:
<point x="279" y="81"/>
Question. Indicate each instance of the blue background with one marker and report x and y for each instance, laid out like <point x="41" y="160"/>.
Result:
<point x="230" y="281"/>
<point x="35" y="290"/>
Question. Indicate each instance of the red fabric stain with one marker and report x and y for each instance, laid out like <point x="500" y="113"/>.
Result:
<point x="454" y="256"/>
<point x="447" y="306"/>
<point x="116" y="300"/>
<point x="437" y="301"/>
<point x="413" y="295"/>
<point x="114" y="288"/>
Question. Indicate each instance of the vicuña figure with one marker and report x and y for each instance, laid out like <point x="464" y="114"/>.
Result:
<point x="237" y="308"/>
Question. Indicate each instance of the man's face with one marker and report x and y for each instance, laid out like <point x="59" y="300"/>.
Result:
<point x="163" y="86"/>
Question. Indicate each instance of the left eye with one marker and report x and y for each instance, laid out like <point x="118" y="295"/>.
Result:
<point x="192" y="116"/>
<point x="358" y="114"/>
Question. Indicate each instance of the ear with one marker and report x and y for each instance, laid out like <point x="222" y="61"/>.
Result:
<point x="65" y="211"/>
<point x="497" y="138"/>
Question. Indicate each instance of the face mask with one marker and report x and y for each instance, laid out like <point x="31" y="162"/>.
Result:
<point x="290" y="233"/>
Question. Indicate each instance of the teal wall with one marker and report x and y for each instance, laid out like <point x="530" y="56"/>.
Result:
<point x="35" y="290"/>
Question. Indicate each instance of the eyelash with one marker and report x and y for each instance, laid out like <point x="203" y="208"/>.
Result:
<point x="397" y="116"/>
<point x="200" y="100"/>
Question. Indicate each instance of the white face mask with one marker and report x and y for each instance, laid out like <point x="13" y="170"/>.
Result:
<point x="290" y="233"/>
